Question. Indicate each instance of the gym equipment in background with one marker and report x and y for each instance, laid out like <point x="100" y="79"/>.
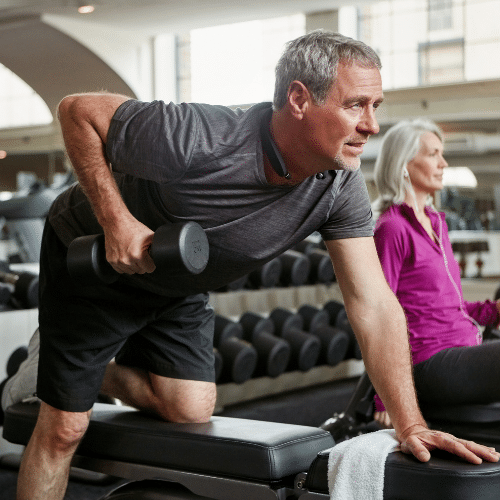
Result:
<point x="273" y="352"/>
<point x="305" y="348"/>
<point x="239" y="357"/>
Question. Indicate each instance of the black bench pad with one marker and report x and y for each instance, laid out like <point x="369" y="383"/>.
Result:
<point x="442" y="478"/>
<point x="233" y="447"/>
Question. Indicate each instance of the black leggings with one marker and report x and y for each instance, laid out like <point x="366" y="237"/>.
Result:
<point x="460" y="375"/>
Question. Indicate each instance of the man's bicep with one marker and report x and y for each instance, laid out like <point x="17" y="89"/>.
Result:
<point x="357" y="268"/>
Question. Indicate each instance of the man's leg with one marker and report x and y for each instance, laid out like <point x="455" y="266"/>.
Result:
<point x="174" y="400"/>
<point x="46" y="462"/>
<point x="22" y="384"/>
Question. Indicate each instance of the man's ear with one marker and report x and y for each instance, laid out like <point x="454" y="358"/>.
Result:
<point x="298" y="99"/>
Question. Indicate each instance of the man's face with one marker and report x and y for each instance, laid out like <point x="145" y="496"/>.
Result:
<point x="338" y="128"/>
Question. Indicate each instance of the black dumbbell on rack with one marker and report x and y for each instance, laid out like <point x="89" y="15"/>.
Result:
<point x="339" y="319"/>
<point x="239" y="357"/>
<point x="177" y="248"/>
<point x="273" y="352"/>
<point x="334" y="341"/>
<point x="267" y="276"/>
<point x="321" y="264"/>
<point x="218" y="363"/>
<point x="296" y="267"/>
<point x="305" y="347"/>
<point x="20" y="289"/>
<point x="235" y="286"/>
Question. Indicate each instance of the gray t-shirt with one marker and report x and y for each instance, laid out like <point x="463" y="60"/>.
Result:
<point x="205" y="163"/>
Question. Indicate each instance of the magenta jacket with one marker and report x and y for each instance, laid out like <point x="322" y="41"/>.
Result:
<point x="425" y="277"/>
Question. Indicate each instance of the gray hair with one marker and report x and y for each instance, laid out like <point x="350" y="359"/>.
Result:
<point x="399" y="146"/>
<point x="313" y="59"/>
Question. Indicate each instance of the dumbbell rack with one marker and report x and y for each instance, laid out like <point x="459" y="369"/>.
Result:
<point x="233" y="304"/>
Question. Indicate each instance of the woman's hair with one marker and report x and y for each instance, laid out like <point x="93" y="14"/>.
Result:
<point x="313" y="59"/>
<point x="399" y="146"/>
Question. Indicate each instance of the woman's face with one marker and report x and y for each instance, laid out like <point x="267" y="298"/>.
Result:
<point x="426" y="168"/>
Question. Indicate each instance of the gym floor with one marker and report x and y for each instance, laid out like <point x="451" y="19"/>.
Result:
<point x="77" y="490"/>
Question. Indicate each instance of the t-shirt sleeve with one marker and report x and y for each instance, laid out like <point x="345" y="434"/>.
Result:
<point x="389" y="241"/>
<point x="350" y="215"/>
<point x="152" y="140"/>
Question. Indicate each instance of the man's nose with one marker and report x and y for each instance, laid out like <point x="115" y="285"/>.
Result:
<point x="368" y="123"/>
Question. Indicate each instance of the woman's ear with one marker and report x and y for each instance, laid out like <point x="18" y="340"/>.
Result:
<point x="298" y="99"/>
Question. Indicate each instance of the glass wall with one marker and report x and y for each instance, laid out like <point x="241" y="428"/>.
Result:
<point x="426" y="42"/>
<point x="20" y="105"/>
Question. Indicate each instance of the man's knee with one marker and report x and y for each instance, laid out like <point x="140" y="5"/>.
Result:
<point x="59" y="430"/>
<point x="186" y="401"/>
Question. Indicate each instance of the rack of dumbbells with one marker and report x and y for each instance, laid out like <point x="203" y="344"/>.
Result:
<point x="284" y="347"/>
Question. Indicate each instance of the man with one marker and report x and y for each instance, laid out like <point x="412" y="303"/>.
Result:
<point x="258" y="182"/>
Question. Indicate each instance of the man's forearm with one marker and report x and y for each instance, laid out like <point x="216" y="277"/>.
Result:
<point x="383" y="339"/>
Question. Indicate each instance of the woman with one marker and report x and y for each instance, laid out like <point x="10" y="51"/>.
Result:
<point x="451" y="364"/>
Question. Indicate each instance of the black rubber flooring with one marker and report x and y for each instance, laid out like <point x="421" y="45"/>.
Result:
<point x="77" y="490"/>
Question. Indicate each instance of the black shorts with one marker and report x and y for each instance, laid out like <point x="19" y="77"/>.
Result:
<point x="82" y="328"/>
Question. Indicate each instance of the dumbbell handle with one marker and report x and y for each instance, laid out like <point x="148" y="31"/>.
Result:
<point x="178" y="247"/>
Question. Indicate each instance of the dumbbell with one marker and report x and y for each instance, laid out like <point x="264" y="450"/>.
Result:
<point x="305" y="347"/>
<point x="267" y="275"/>
<point x="296" y="268"/>
<point x="239" y="357"/>
<point x="23" y="288"/>
<point x="334" y="341"/>
<point x="339" y="319"/>
<point x="273" y="352"/>
<point x="235" y="285"/>
<point x="321" y="263"/>
<point x="177" y="248"/>
<point x="218" y="363"/>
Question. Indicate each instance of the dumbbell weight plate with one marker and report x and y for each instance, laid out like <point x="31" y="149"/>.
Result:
<point x="86" y="260"/>
<point x="179" y="247"/>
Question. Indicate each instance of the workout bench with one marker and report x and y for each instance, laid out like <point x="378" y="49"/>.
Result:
<point x="239" y="459"/>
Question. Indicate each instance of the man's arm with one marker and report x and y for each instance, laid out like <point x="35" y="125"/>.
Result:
<point x="85" y="121"/>
<point x="380" y="327"/>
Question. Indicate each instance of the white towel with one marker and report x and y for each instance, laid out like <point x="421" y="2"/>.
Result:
<point x="356" y="466"/>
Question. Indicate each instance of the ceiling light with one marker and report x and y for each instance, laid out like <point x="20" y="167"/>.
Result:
<point x="459" y="177"/>
<point x="86" y="9"/>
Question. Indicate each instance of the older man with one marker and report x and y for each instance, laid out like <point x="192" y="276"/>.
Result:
<point x="258" y="182"/>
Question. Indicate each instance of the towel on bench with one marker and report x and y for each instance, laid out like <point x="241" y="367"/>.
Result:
<point x="356" y="466"/>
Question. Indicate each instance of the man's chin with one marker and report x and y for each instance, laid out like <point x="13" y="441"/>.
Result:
<point x="347" y="164"/>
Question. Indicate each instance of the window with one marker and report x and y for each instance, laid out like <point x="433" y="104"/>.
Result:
<point x="20" y="105"/>
<point x="441" y="62"/>
<point x="234" y="64"/>
<point x="440" y="14"/>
